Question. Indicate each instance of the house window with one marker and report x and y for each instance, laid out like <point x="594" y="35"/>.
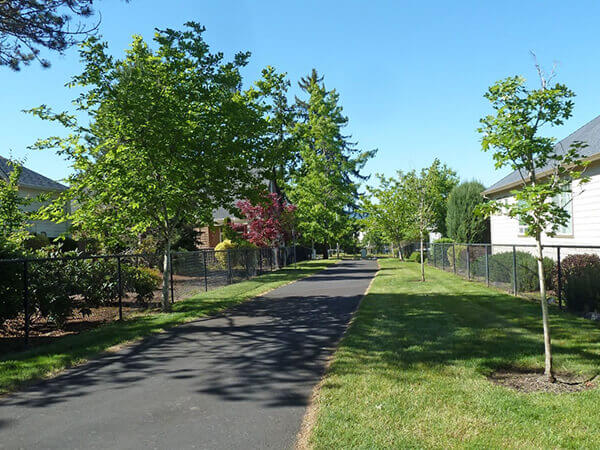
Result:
<point x="565" y="201"/>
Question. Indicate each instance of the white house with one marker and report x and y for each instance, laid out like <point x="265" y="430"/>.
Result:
<point x="582" y="202"/>
<point x="32" y="184"/>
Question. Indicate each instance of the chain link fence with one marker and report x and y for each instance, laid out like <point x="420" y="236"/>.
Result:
<point x="513" y="268"/>
<point x="39" y="296"/>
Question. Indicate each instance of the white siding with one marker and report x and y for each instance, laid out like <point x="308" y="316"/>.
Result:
<point x="586" y="218"/>
<point x="51" y="229"/>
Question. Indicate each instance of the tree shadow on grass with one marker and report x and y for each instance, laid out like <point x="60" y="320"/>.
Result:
<point x="400" y="332"/>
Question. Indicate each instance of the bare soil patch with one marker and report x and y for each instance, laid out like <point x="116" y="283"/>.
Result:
<point x="529" y="381"/>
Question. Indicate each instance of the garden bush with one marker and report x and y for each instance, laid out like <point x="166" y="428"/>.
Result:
<point x="416" y="257"/>
<point x="11" y="286"/>
<point x="50" y="291"/>
<point x="141" y="280"/>
<point x="501" y="269"/>
<point x="96" y="280"/>
<point x="237" y="257"/>
<point x="580" y="282"/>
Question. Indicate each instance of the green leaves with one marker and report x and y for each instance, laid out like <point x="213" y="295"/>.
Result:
<point x="13" y="218"/>
<point x="512" y="134"/>
<point x="170" y="137"/>
<point x="325" y="183"/>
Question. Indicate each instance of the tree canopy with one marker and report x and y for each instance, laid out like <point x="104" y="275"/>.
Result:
<point x="170" y="138"/>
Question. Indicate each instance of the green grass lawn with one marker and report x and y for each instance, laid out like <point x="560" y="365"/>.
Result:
<point x="19" y="368"/>
<point x="411" y="371"/>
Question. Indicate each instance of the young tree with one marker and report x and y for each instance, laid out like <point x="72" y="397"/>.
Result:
<point x="426" y="195"/>
<point x="26" y="26"/>
<point x="170" y="138"/>
<point x="385" y="210"/>
<point x="325" y="185"/>
<point x="462" y="222"/>
<point x="513" y="135"/>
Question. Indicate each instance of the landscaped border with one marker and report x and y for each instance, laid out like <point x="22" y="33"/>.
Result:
<point x="19" y="369"/>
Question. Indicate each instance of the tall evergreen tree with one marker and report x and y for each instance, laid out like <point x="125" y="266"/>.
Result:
<point x="325" y="183"/>
<point x="463" y="224"/>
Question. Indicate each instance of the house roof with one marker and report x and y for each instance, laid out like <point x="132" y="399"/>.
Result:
<point x="29" y="178"/>
<point x="589" y="134"/>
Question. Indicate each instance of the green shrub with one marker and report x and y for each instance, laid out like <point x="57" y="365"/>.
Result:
<point x="237" y="257"/>
<point x="501" y="269"/>
<point x="50" y="290"/>
<point x="36" y="242"/>
<point x="96" y="280"/>
<point x="580" y="281"/>
<point x="444" y="240"/>
<point x="11" y="285"/>
<point x="416" y="257"/>
<point x="141" y="280"/>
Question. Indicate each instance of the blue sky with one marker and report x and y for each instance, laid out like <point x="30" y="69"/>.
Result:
<point x="411" y="75"/>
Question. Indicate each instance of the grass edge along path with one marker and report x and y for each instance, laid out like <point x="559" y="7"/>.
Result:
<point x="411" y="371"/>
<point x="21" y="368"/>
<point x="312" y="410"/>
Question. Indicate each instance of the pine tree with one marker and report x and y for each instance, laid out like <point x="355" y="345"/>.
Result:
<point x="325" y="184"/>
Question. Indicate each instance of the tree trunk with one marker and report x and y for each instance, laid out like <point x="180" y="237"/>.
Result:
<point x="326" y="251"/>
<point x="400" y="256"/>
<point x="166" y="304"/>
<point x="547" y="341"/>
<point x="422" y="261"/>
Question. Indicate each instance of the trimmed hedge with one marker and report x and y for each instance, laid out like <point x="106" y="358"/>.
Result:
<point x="580" y="282"/>
<point x="501" y="269"/>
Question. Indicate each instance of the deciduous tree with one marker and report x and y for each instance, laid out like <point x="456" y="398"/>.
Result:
<point x="513" y="135"/>
<point x="170" y="138"/>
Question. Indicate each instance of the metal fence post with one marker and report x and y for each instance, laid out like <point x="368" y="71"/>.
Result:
<point x="26" y="299"/>
<point x="229" y="275"/>
<point x="205" y="271"/>
<point x="515" y="270"/>
<point x="468" y="262"/>
<point x="454" y="257"/>
<point x="171" y="276"/>
<point x="247" y="251"/>
<point x="559" y="273"/>
<point x="120" y="281"/>
<point x="487" y="266"/>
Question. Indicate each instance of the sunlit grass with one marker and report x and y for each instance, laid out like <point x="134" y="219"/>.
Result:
<point x="23" y="367"/>
<point x="411" y="372"/>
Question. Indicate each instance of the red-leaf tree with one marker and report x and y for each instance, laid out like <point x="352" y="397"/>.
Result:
<point x="270" y="221"/>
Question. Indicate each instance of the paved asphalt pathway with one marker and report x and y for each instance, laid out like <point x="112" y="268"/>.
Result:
<point x="241" y="380"/>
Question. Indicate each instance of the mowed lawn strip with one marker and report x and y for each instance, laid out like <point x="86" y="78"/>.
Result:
<point x="411" y="370"/>
<point x="23" y="367"/>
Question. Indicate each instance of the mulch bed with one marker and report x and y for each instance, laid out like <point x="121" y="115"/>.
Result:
<point x="535" y="381"/>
